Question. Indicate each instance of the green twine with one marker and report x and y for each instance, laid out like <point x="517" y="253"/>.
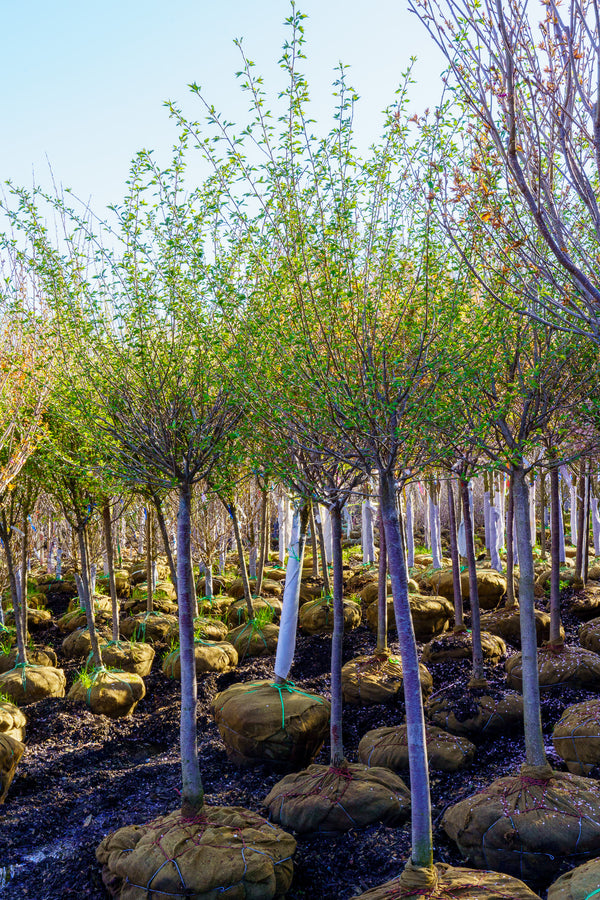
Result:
<point x="24" y="665"/>
<point x="291" y="688"/>
<point x="593" y="894"/>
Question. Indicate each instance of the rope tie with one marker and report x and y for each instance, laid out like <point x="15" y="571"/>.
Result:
<point x="291" y="688"/>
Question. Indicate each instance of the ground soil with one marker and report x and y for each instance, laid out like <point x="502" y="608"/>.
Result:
<point x="85" y="775"/>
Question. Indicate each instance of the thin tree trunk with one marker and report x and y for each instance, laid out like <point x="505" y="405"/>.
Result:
<point x="192" y="794"/>
<point x="510" y="556"/>
<point x="162" y="525"/>
<point x="110" y="561"/>
<point x="337" y="747"/>
<point x="240" y="549"/>
<point x="543" y="515"/>
<point x="321" y="538"/>
<point x="382" y="616"/>
<point x="459" y="622"/>
<point x="478" y="676"/>
<point x="422" y="842"/>
<point x="24" y="552"/>
<point x="586" y="527"/>
<point x="149" y="561"/>
<point x="534" y="743"/>
<point x="14" y="594"/>
<point x="314" y="542"/>
<point x="291" y="595"/>
<point x="263" y="540"/>
<point x="83" y="589"/>
<point x="581" y="536"/>
<point x="555" y="623"/>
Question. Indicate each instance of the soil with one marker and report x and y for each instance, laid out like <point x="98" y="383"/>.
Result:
<point x="85" y="775"/>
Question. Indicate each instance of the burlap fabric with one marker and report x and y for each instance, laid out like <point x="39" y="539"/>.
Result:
<point x="269" y="588"/>
<point x="431" y="615"/>
<point x="218" y="584"/>
<point x="250" y="640"/>
<point x="274" y="574"/>
<point x="215" y="606"/>
<point x="459" y="645"/>
<point x="223" y="852"/>
<point x="122" y="585"/>
<point x="586" y="603"/>
<point x="112" y="694"/>
<point x="506" y="623"/>
<point x="37" y="656"/>
<point x="388" y="746"/>
<point x="589" y="635"/>
<point x="11" y="751"/>
<point x="137" y="571"/>
<point x="528" y="824"/>
<point x="159" y="604"/>
<point x="370" y="592"/>
<point x="27" y="684"/>
<point x="491" y="586"/>
<point x="570" y="665"/>
<point x="100" y="603"/>
<point x="12" y="720"/>
<point x="316" y="617"/>
<point x="582" y="883"/>
<point x="360" y="579"/>
<point x="210" y="656"/>
<point x="263" y="722"/>
<point x="128" y="656"/>
<point x="153" y="627"/>
<point x="36" y="618"/>
<point x="454" y="884"/>
<point x="237" y="613"/>
<point x="209" y="629"/>
<point x="37" y="600"/>
<point x="472" y="711"/>
<point x="328" y="799"/>
<point x="78" y="645"/>
<point x="76" y="618"/>
<point x="576" y="737"/>
<point x="378" y="679"/>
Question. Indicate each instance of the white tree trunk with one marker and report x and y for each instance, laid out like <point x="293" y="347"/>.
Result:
<point x="368" y="541"/>
<point x="596" y="526"/>
<point x="486" y="520"/>
<point x="434" y="529"/>
<point x="327" y="533"/>
<point x="286" y="642"/>
<point x="410" y="534"/>
<point x="495" y="538"/>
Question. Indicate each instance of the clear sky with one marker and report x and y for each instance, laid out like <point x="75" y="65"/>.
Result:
<point x="83" y="83"/>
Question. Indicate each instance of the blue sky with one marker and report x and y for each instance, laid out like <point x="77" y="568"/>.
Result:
<point x="84" y="83"/>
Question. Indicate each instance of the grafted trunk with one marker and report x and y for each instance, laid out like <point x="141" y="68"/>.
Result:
<point x="291" y="595"/>
<point x="555" y="622"/>
<point x="478" y="674"/>
<point x="422" y="842"/>
<point x="534" y="743"/>
<point x="382" y="616"/>
<point x="456" y="586"/>
<point x="192" y="793"/>
<point x="337" y="748"/>
<point x="110" y="562"/>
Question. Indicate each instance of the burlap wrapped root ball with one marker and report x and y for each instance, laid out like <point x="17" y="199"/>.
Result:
<point x="450" y="883"/>
<point x="388" y="746"/>
<point x="237" y="613"/>
<point x="11" y="751"/>
<point x="589" y="635"/>
<point x="210" y="629"/>
<point x="36" y="618"/>
<point x="76" y="618"/>
<point x="562" y="665"/>
<point x="215" y="606"/>
<point x="316" y="617"/>
<point x="430" y="615"/>
<point x="528" y="824"/>
<point x="586" y="603"/>
<point x="254" y="640"/>
<point x="269" y="588"/>
<point x="112" y="694"/>
<point x="27" y="684"/>
<point x="128" y="656"/>
<point x="37" y="656"/>
<point x="225" y="851"/>
<point x="459" y="645"/>
<point x="378" y="679"/>
<point x="261" y="722"/>
<point x="209" y="656"/>
<point x="582" y="883"/>
<point x="149" y="626"/>
<point x="12" y="720"/>
<point x="506" y="623"/>
<point x="78" y="644"/>
<point x="576" y="737"/>
<point x="491" y="586"/>
<point x="473" y="711"/>
<point x="328" y="799"/>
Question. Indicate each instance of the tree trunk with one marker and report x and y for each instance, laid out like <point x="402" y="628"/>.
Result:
<point x="321" y="537"/>
<point x="459" y="624"/>
<point x="149" y="561"/>
<point x="314" y="542"/>
<point x="337" y="639"/>
<point x="24" y="552"/>
<point x="162" y="525"/>
<point x="422" y="842"/>
<point x="478" y="676"/>
<point x="240" y="549"/>
<point x="263" y="540"/>
<point x="543" y="548"/>
<point x="586" y="528"/>
<point x="107" y="527"/>
<point x="581" y="536"/>
<point x="14" y="595"/>
<point x="83" y="589"/>
<point x="510" y="556"/>
<point x="382" y="616"/>
<point x="555" y="622"/>
<point x="192" y="794"/>
<point x="534" y="743"/>
<point x="291" y="595"/>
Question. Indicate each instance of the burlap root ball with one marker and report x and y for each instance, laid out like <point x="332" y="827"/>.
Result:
<point x="378" y="679"/>
<point x="388" y="746"/>
<point x="153" y="627"/>
<point x="491" y="586"/>
<point x="138" y="605"/>
<point x="224" y="851"/>
<point x="576" y="737"/>
<point x="369" y="593"/>
<point x="316" y="617"/>
<point x="12" y="720"/>
<point x="218" y="585"/>
<point x="36" y="618"/>
<point x="528" y="824"/>
<point x="37" y="656"/>
<point x="450" y="883"/>
<point x="589" y="635"/>
<point x="573" y="666"/>
<point x="473" y="711"/>
<point x="215" y="606"/>
<point x="459" y="645"/>
<point x="11" y="751"/>
<point x="586" y="603"/>
<point x="268" y="588"/>
<point x="328" y="799"/>
<point x="210" y="629"/>
<point x="582" y="883"/>
<point x="78" y="644"/>
<point x="26" y="685"/>
<point x="249" y="640"/>
<point x="237" y="613"/>
<point x="431" y="615"/>
<point x="77" y="618"/>
<point x="506" y="623"/>
<point x="112" y="694"/>
<point x="210" y="656"/>
<point x="261" y="722"/>
<point x="128" y="656"/>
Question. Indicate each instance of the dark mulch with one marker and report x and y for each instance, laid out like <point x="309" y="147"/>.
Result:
<point x="84" y="775"/>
